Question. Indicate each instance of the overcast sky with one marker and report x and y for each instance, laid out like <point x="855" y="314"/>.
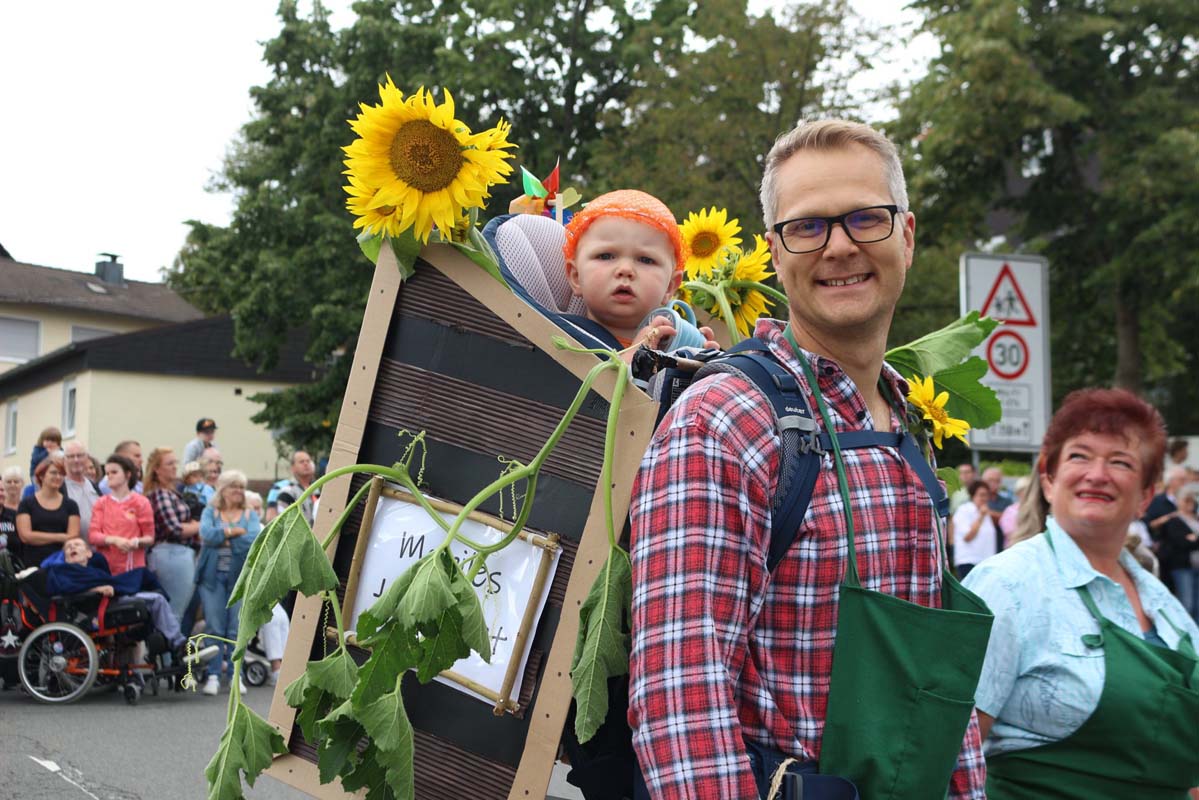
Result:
<point x="114" y="116"/>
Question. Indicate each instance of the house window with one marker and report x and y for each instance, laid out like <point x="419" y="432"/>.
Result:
<point x="81" y="333"/>
<point x="10" y="428"/>
<point x="19" y="339"/>
<point x="68" y="407"/>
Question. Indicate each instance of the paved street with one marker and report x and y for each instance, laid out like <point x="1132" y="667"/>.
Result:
<point x="107" y="750"/>
<point x="104" y="749"/>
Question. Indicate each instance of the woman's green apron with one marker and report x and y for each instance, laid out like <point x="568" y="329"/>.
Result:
<point x="904" y="676"/>
<point x="1142" y="740"/>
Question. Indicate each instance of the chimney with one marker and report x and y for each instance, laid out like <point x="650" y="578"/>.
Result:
<point x="111" y="271"/>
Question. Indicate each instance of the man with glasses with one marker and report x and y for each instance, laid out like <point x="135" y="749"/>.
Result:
<point x="732" y="669"/>
<point x="77" y="485"/>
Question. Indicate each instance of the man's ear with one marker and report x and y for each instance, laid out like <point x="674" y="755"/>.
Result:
<point x="572" y="277"/>
<point x="909" y="238"/>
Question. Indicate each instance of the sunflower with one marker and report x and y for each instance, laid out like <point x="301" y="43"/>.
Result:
<point x="924" y="397"/>
<point x="422" y="165"/>
<point x="383" y="220"/>
<point x="753" y="303"/>
<point x="705" y="236"/>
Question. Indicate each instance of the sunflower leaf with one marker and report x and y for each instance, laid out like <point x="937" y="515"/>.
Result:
<point x="335" y="674"/>
<point x="482" y="258"/>
<point x="949" y="476"/>
<point x="284" y="557"/>
<point x="338" y="736"/>
<point x="602" y="646"/>
<point x="392" y="653"/>
<point x="441" y="645"/>
<point x="247" y="747"/>
<point x="942" y="348"/>
<point x="370" y="244"/>
<point x="406" y="248"/>
<point x="470" y="610"/>
<point x="968" y="398"/>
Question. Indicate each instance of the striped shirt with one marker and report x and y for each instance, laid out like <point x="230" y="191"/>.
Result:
<point x="724" y="651"/>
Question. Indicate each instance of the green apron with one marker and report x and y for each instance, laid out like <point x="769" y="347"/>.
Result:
<point x="1142" y="740"/>
<point x="903" y="680"/>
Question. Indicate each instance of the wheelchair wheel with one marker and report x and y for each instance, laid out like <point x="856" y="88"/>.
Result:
<point x="256" y="673"/>
<point x="132" y="694"/>
<point x="58" y="663"/>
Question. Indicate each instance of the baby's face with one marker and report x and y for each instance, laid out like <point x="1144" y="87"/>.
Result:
<point x="623" y="270"/>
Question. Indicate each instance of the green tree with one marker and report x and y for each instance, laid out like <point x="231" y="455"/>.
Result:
<point x="696" y="131"/>
<point x="1078" y="121"/>
<point x="287" y="264"/>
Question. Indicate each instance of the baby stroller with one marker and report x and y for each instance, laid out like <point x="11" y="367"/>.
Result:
<point x="70" y="644"/>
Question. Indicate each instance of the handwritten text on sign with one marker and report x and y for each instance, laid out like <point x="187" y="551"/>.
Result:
<point x="402" y="533"/>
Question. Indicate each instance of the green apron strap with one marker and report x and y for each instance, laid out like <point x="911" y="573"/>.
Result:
<point x="851" y="566"/>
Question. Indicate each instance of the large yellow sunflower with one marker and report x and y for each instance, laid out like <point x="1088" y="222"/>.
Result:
<point x="705" y="236"/>
<point x="923" y="395"/>
<point x="419" y="160"/>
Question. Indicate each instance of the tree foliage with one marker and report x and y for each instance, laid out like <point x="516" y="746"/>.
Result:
<point x="1072" y="126"/>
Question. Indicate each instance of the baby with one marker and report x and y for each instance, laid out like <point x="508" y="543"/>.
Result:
<point x="624" y="257"/>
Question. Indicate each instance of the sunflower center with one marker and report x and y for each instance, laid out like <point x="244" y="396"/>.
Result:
<point x="425" y="156"/>
<point x="704" y="244"/>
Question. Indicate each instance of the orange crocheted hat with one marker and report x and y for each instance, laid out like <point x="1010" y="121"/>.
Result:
<point x="631" y="204"/>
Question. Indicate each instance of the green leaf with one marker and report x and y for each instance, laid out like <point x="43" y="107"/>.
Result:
<point x="384" y="608"/>
<point x="602" y="647"/>
<point x="284" y="557"/>
<point x="470" y="611"/>
<point x="942" y="348"/>
<point x="441" y="646"/>
<point x="387" y="724"/>
<point x="430" y="594"/>
<point x="247" y="747"/>
<point x="339" y="734"/>
<point x="406" y="248"/>
<point x="968" y="398"/>
<point x="370" y="244"/>
<point x="391" y="654"/>
<point x="482" y="258"/>
<point x="370" y="773"/>
<point x="950" y="476"/>
<point x="336" y="673"/>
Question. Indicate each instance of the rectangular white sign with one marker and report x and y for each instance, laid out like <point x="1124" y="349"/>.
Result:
<point x="1015" y="290"/>
<point x="402" y="533"/>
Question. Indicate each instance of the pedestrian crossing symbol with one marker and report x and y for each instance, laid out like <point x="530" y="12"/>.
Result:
<point x="1006" y="301"/>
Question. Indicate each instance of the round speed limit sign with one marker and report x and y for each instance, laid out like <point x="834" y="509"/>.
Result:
<point x="1007" y="354"/>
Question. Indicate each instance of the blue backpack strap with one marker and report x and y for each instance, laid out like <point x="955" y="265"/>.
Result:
<point x="906" y="445"/>
<point x="797" y="431"/>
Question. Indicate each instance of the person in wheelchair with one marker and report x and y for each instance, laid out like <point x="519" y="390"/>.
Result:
<point x="78" y="570"/>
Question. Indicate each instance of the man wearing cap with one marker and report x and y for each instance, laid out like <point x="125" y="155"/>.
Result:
<point x="205" y="432"/>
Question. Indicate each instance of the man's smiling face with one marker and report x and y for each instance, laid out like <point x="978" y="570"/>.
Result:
<point x="844" y="289"/>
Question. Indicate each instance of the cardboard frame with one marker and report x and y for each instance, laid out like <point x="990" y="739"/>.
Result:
<point x="636" y="422"/>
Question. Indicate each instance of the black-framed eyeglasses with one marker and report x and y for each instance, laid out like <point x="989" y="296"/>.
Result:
<point x="862" y="225"/>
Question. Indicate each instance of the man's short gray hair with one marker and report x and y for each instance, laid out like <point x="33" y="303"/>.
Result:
<point x="829" y="134"/>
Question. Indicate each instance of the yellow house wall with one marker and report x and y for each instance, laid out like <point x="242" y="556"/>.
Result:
<point x="55" y="329"/>
<point x="156" y="410"/>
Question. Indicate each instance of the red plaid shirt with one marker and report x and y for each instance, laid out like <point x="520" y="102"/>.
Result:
<point x="723" y="651"/>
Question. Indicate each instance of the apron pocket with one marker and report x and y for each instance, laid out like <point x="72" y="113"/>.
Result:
<point x="1176" y="739"/>
<point x="935" y="724"/>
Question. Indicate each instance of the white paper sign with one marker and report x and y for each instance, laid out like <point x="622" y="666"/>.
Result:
<point x="402" y="533"/>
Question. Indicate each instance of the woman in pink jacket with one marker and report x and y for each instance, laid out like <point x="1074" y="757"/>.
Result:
<point x="122" y="525"/>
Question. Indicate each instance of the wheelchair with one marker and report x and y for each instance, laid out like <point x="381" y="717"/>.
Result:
<point x="71" y="644"/>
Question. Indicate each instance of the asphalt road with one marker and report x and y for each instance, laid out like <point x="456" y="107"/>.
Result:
<point x="99" y="748"/>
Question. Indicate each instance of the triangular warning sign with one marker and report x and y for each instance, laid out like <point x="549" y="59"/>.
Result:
<point x="1005" y="301"/>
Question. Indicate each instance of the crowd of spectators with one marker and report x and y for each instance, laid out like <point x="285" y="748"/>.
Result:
<point x="1165" y="540"/>
<point x="191" y="522"/>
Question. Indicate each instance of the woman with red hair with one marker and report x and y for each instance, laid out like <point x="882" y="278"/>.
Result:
<point x="47" y="518"/>
<point x="1090" y="656"/>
